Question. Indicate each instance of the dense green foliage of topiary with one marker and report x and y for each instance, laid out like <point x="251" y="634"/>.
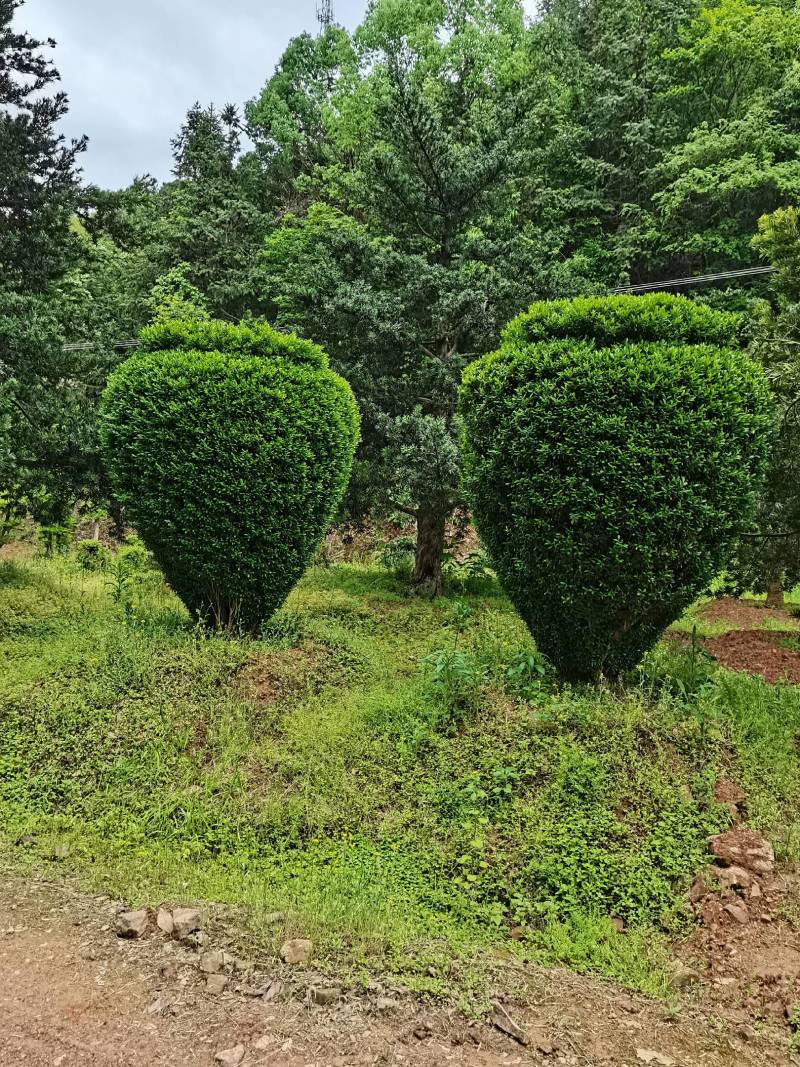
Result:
<point x="608" y="482"/>
<point x="231" y="447"/>
<point x="612" y="320"/>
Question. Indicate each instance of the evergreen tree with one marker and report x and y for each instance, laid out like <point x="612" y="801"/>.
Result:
<point x="40" y="416"/>
<point x="411" y="254"/>
<point x="209" y="225"/>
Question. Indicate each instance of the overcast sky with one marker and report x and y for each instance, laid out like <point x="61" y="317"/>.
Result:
<point x="132" y="68"/>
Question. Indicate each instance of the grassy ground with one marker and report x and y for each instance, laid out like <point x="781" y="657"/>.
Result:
<point x="398" y="777"/>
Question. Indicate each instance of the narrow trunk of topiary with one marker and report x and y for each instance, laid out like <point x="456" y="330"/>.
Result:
<point x="430" y="551"/>
<point x="775" y="591"/>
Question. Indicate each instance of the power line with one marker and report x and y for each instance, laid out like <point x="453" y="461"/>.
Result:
<point x="644" y="287"/>
<point x="701" y="279"/>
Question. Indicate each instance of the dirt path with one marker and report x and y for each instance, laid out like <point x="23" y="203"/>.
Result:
<point x="73" y="994"/>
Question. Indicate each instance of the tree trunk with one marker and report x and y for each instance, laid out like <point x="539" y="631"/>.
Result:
<point x="775" y="591"/>
<point x="430" y="552"/>
<point x="118" y="525"/>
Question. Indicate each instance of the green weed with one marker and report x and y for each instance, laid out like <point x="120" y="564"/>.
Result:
<point x="404" y="816"/>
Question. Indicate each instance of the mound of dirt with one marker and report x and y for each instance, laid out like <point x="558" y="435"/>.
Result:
<point x="764" y="652"/>
<point x="744" y="614"/>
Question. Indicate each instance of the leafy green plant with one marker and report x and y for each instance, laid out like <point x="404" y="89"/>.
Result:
<point x="527" y="672"/>
<point x="54" y="538"/>
<point x="611" y="468"/>
<point x="455" y="675"/>
<point x="397" y="555"/>
<point x="92" y="555"/>
<point x="231" y="447"/>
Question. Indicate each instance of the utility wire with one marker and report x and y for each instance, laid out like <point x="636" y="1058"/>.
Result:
<point x="702" y="279"/>
<point x="644" y="287"/>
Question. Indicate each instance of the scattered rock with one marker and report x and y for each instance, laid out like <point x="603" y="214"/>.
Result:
<point x="264" y="1043"/>
<point x="698" y="890"/>
<point x="274" y="990"/>
<point x="755" y="891"/>
<point x="212" y="962"/>
<point x="296" y="951"/>
<point x="216" y="983"/>
<point x="502" y="1021"/>
<point x="735" y="877"/>
<point x="738" y="912"/>
<point x="230" y="1057"/>
<point x="252" y="990"/>
<point x="682" y="976"/>
<point x="324" y="995"/>
<point x="164" y="921"/>
<point x="743" y="848"/>
<point x="730" y="795"/>
<point x="198" y="939"/>
<point x="162" y="1005"/>
<point x="185" y="921"/>
<point x="647" y="1055"/>
<point x="546" y="1048"/>
<point x="168" y="970"/>
<point x="422" y="1032"/>
<point x="387" y="1004"/>
<point x="133" y="923"/>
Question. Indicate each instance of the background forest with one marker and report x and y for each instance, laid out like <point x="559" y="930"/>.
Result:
<point x="397" y="194"/>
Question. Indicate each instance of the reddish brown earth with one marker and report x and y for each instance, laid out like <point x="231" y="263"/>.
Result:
<point x="758" y="652"/>
<point x="73" y="994"/>
<point x="748" y="647"/>
<point x="747" y="614"/>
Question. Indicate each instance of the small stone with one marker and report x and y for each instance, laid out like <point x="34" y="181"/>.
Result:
<point x="264" y="1043"/>
<point x="738" y="912"/>
<point x="296" y="951"/>
<point x="545" y="1048"/>
<point x="168" y="970"/>
<point x="274" y="990"/>
<point x="212" y="962"/>
<point x="60" y="851"/>
<point x="164" y="921"/>
<point x="185" y="921"/>
<point x="682" y="976"/>
<point x="230" y="1057"/>
<point x="132" y="923"/>
<point x="216" y="983"/>
<point x="735" y="877"/>
<point x="252" y="990"/>
<point x="162" y="1005"/>
<point x="755" y="891"/>
<point x="743" y="848"/>
<point x="273" y="918"/>
<point x="698" y="890"/>
<point x="386" y="1004"/>
<point x="324" y="995"/>
<point x="647" y="1055"/>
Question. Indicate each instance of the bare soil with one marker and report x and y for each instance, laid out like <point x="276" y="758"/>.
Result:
<point x="773" y="654"/>
<point x="73" y="994"/>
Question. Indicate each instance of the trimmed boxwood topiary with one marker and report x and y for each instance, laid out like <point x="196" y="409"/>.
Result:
<point x="231" y="447"/>
<point x="608" y="480"/>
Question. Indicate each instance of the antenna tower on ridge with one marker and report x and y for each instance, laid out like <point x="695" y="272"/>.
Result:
<point x="325" y="13"/>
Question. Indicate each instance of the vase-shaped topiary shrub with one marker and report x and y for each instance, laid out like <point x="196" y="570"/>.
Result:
<point x="612" y="450"/>
<point x="231" y="447"/>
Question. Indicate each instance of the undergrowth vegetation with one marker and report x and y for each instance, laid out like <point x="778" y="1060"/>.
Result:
<point x="401" y="778"/>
